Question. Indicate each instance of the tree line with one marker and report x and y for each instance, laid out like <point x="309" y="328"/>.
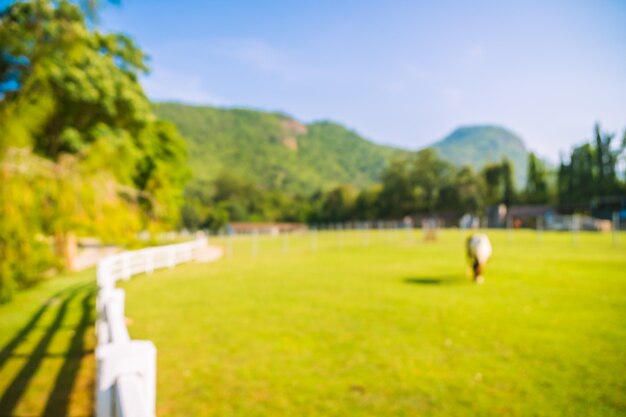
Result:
<point x="592" y="170"/>
<point x="421" y="183"/>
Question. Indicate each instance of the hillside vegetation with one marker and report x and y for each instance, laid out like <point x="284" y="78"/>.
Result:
<point x="277" y="152"/>
<point x="274" y="150"/>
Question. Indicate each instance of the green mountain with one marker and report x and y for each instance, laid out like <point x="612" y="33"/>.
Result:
<point x="273" y="149"/>
<point x="479" y="145"/>
<point x="278" y="152"/>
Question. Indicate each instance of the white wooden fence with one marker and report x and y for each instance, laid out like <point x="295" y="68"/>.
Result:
<point x="126" y="369"/>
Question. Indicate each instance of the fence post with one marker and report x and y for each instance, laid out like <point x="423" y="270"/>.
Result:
<point x="229" y="244"/>
<point x="509" y="227"/>
<point x="114" y="360"/>
<point x="202" y="245"/>
<point x="313" y="232"/>
<point x="103" y="275"/>
<point x="285" y="242"/>
<point x="255" y="242"/>
<point x="102" y="328"/>
<point x="575" y="227"/>
<point x="113" y="310"/>
<point x="615" y="228"/>
<point x="341" y="235"/>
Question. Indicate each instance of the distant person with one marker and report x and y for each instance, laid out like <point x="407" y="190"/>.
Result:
<point x="478" y="252"/>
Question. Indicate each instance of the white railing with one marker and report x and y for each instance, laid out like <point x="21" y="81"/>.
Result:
<point x="126" y="369"/>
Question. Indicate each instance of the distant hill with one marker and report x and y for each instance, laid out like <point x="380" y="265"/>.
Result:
<point x="479" y="145"/>
<point x="278" y="152"/>
<point x="274" y="150"/>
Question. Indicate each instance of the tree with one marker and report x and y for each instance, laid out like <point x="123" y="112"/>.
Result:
<point x="509" y="195"/>
<point x="366" y="205"/>
<point x="592" y="170"/>
<point x="563" y="183"/>
<point x="397" y="197"/>
<point x="470" y="191"/>
<point x="537" y="184"/>
<point x="582" y="178"/>
<point x="338" y="204"/>
<point x="71" y="105"/>
<point x="429" y="175"/>
<point x="500" y="187"/>
<point x="493" y="185"/>
<point x="82" y="88"/>
<point x="606" y="162"/>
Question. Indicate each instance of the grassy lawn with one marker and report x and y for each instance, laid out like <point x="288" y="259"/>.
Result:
<point x="46" y="349"/>
<point x="384" y="324"/>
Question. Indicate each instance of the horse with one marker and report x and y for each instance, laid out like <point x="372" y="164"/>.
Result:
<point x="478" y="253"/>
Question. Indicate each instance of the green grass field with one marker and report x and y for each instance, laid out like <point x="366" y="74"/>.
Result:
<point x="350" y="324"/>
<point x="390" y="326"/>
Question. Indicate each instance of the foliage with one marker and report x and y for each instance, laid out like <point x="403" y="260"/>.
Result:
<point x="537" y="182"/>
<point x="419" y="184"/>
<point x="422" y="183"/>
<point x="102" y="162"/>
<point x="500" y="187"/>
<point x="24" y="254"/>
<point x="273" y="150"/>
<point x="232" y="198"/>
<point x="297" y="171"/>
<point x="337" y="205"/>
<point x="591" y="171"/>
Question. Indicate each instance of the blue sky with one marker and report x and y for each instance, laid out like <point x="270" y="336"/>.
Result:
<point x="399" y="72"/>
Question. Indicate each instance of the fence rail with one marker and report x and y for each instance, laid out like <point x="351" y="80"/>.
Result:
<point x="126" y="369"/>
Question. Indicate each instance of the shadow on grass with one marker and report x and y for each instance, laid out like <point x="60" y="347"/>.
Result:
<point x="436" y="280"/>
<point x="7" y="350"/>
<point x="59" y="397"/>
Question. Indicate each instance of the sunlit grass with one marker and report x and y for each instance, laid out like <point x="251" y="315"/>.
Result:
<point x="46" y="349"/>
<point x="384" y="324"/>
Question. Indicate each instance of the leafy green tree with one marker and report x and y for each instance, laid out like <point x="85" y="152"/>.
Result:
<point x="72" y="107"/>
<point x="397" y="197"/>
<point x="509" y="195"/>
<point x="429" y="175"/>
<point x="499" y="183"/>
<point x="606" y="163"/>
<point x="492" y="174"/>
<point x="338" y="204"/>
<point x="591" y="170"/>
<point x="366" y="205"/>
<point x="537" y="182"/>
<point x="582" y="184"/>
<point x="470" y="190"/>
